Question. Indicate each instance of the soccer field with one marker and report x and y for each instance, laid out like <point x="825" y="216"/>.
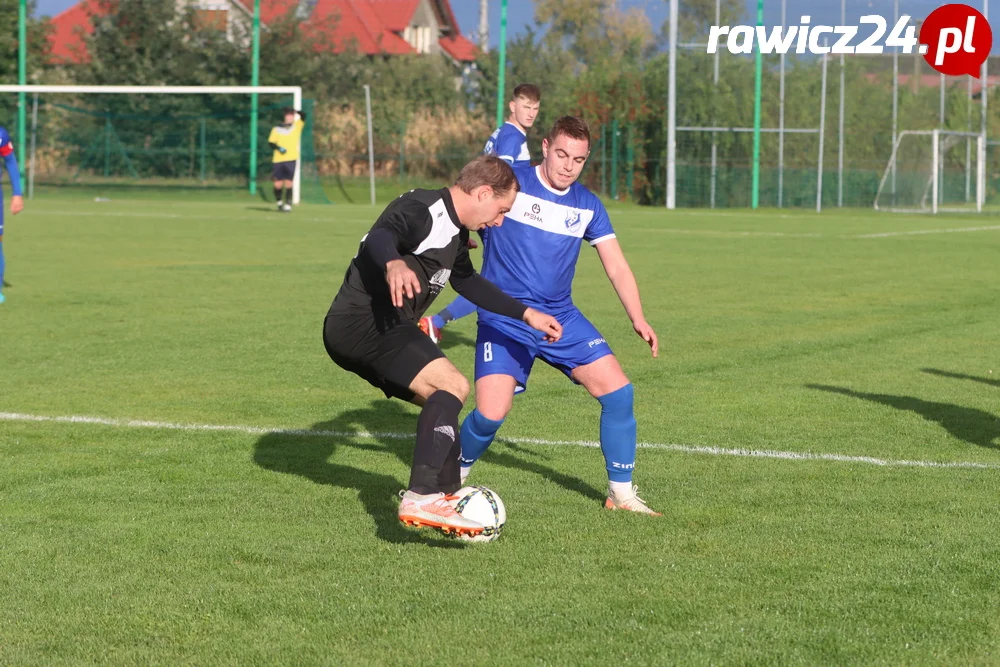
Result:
<point x="187" y="477"/>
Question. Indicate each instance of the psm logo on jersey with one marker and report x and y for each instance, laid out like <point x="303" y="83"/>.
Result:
<point x="597" y="341"/>
<point x="573" y="220"/>
<point x="534" y="214"/>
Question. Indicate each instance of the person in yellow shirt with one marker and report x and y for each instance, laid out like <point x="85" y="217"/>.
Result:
<point x="285" y="140"/>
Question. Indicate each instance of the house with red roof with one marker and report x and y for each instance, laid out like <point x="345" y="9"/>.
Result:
<point x="374" y="27"/>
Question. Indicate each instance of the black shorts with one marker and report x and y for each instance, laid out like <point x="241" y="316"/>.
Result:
<point x="283" y="171"/>
<point x="389" y="359"/>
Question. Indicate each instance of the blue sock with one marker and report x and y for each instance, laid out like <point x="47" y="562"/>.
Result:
<point x="477" y="435"/>
<point x="455" y="310"/>
<point x="618" y="433"/>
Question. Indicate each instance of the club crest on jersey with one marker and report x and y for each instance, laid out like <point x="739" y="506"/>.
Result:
<point x="573" y="220"/>
<point x="439" y="280"/>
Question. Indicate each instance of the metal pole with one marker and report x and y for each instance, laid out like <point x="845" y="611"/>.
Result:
<point x="107" y="145"/>
<point x="983" y="141"/>
<point x="371" y="142"/>
<point x="968" y="140"/>
<point x="31" y="160"/>
<point x="781" y="119"/>
<point x="941" y="125"/>
<point x="822" y="134"/>
<point x="840" y="129"/>
<point x="895" y="99"/>
<point x="484" y="26"/>
<point x="672" y="110"/>
<point x="715" y="93"/>
<point x="935" y="159"/>
<point x="502" y="76"/>
<point x="204" y="149"/>
<point x="22" y="78"/>
<point x="757" y="86"/>
<point x="254" y="81"/>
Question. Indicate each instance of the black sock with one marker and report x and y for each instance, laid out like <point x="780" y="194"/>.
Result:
<point x="446" y="315"/>
<point x="450" y="479"/>
<point x="278" y="194"/>
<point x="437" y="436"/>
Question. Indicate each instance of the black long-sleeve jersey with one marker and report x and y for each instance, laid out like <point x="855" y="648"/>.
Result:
<point x="420" y="227"/>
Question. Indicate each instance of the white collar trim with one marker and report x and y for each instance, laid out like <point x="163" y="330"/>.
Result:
<point x="538" y="174"/>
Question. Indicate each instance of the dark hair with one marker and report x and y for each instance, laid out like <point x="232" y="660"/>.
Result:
<point x="287" y="110"/>
<point x="572" y="127"/>
<point x="528" y="91"/>
<point x="488" y="170"/>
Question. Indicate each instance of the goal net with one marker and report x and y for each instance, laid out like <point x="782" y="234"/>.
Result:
<point x="934" y="171"/>
<point x="154" y="141"/>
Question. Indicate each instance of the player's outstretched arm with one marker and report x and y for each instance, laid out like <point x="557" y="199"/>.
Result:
<point x="621" y="277"/>
<point x="488" y="296"/>
<point x="14" y="173"/>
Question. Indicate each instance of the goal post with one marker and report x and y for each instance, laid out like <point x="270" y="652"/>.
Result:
<point x="934" y="171"/>
<point x="294" y="91"/>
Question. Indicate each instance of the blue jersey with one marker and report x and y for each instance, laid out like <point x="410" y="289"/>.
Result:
<point x="509" y="144"/>
<point x="533" y="255"/>
<point x="7" y="153"/>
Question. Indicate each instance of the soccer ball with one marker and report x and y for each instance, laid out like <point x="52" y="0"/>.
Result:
<point x="484" y="506"/>
<point x="286" y="208"/>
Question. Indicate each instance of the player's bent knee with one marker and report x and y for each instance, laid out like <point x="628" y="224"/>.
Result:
<point x="602" y="376"/>
<point x="495" y="396"/>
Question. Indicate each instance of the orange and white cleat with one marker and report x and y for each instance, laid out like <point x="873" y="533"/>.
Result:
<point x="435" y="512"/>
<point x="630" y="503"/>
<point x="426" y="325"/>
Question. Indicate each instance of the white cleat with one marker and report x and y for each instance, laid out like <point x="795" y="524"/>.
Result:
<point x="287" y="208"/>
<point x="435" y="512"/>
<point x="630" y="503"/>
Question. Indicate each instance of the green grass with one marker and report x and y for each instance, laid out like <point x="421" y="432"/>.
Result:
<point x="780" y="331"/>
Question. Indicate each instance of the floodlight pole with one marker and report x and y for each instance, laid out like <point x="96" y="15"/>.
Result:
<point x="502" y="75"/>
<point x="22" y="79"/>
<point x="254" y="81"/>
<point x="672" y="111"/>
<point x="840" y="118"/>
<point x="757" y="86"/>
<point x="371" y="142"/>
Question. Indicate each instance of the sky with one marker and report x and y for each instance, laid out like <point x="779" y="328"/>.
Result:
<point x="521" y="12"/>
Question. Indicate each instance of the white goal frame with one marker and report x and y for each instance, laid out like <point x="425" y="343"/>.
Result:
<point x="935" y="176"/>
<point x="294" y="91"/>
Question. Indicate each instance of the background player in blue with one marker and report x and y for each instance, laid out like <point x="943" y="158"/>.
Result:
<point x="16" y="200"/>
<point x="533" y="257"/>
<point x="510" y="144"/>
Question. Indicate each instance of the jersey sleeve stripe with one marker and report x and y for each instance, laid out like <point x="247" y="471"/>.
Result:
<point x="509" y="159"/>
<point x="602" y="239"/>
<point x="6" y="150"/>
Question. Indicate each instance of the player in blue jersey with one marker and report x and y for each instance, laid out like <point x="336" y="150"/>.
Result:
<point x="16" y="200"/>
<point x="510" y="144"/>
<point x="533" y="257"/>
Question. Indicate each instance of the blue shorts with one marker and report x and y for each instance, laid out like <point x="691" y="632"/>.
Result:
<point x="507" y="347"/>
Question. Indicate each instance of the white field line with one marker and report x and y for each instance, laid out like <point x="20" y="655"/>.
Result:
<point x="957" y="230"/>
<point x="369" y="435"/>
<point x="666" y="230"/>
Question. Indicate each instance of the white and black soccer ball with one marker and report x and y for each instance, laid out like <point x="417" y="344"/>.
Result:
<point x="482" y="505"/>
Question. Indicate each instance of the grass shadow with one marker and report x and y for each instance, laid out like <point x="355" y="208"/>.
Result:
<point x="312" y="454"/>
<point x="308" y="454"/>
<point x="977" y="427"/>
<point x="959" y="376"/>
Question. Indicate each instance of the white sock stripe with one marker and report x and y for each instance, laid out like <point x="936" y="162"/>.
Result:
<point x="374" y="435"/>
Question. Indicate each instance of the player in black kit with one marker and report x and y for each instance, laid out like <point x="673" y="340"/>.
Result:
<point x="418" y="244"/>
